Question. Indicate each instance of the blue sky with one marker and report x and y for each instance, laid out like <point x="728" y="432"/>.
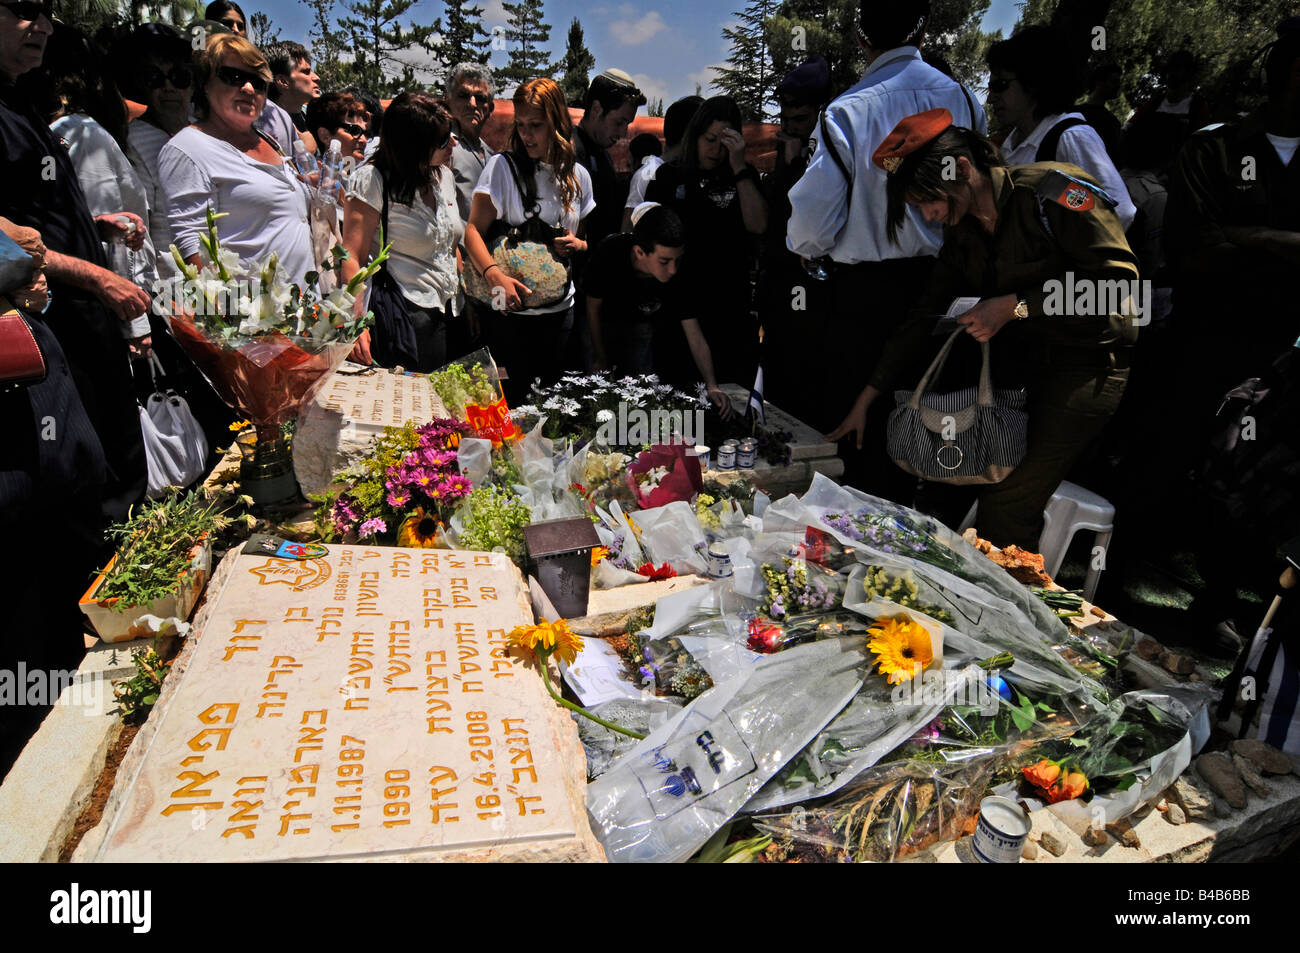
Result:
<point x="667" y="48"/>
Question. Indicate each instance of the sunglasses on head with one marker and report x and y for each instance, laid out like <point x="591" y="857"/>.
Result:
<point x="1000" y="85"/>
<point x="238" y="78"/>
<point x="29" y="9"/>
<point x="179" y="76"/>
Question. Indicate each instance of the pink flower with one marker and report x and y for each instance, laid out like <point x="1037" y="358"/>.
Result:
<point x="372" y="527"/>
<point x="398" y="496"/>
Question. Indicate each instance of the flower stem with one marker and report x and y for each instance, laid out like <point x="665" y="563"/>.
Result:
<point x="546" y="680"/>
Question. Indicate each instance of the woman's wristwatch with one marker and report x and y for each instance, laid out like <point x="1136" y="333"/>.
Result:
<point x="1021" y="311"/>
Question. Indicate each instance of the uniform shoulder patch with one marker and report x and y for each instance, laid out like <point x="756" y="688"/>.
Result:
<point x="1071" y="193"/>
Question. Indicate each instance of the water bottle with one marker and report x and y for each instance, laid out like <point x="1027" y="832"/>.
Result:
<point x="331" y="173"/>
<point x="305" y="163"/>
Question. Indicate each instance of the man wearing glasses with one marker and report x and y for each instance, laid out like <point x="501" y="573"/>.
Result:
<point x="87" y="301"/>
<point x="469" y="91"/>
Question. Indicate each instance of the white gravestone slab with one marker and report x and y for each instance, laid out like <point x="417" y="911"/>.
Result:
<point x="338" y="426"/>
<point x="358" y="706"/>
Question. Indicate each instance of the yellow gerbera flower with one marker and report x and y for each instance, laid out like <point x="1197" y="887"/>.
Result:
<point x="902" y="648"/>
<point x="549" y="638"/>
<point x="420" y="530"/>
<point x="598" y="553"/>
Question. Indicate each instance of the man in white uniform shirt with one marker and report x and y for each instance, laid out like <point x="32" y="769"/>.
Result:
<point x="838" y="211"/>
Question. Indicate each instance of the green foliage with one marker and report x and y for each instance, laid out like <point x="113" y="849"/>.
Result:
<point x="655" y="108"/>
<point x="461" y="41"/>
<point x="576" y="63"/>
<point x="526" y="28"/>
<point x="261" y="31"/>
<point x="828" y="28"/>
<point x="749" y="77"/>
<point x="137" y="695"/>
<point x="154" y="546"/>
<point x="1225" y="35"/>
<point x="458" y="386"/>
<point x="369" y="46"/>
<point x="495" y="517"/>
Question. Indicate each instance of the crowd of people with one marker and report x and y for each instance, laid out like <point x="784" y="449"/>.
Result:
<point x="884" y="203"/>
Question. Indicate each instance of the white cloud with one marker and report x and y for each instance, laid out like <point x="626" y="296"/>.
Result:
<point x="705" y="78"/>
<point x="637" y="32"/>
<point x="653" y="87"/>
<point x="494" y="13"/>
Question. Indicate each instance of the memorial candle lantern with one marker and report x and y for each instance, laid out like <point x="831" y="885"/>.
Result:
<point x="561" y="550"/>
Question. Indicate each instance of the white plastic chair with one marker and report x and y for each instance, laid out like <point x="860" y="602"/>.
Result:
<point x="1071" y="509"/>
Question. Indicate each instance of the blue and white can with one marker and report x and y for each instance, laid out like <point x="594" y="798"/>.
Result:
<point x="1001" y="832"/>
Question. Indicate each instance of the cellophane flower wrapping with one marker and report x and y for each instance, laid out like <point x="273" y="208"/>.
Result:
<point x="470" y="388"/>
<point x="664" y="474"/>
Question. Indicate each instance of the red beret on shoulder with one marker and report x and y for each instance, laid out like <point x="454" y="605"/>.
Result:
<point x="909" y="135"/>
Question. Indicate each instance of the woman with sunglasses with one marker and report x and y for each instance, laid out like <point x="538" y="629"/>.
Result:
<point x="410" y="177"/>
<point x="229" y="15"/>
<point x="530" y="342"/>
<point x="222" y="161"/>
<point x="154" y="70"/>
<point x="338" y="116"/>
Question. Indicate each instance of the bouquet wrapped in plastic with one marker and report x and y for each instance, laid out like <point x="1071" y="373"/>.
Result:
<point x="265" y="340"/>
<point x="471" y="390"/>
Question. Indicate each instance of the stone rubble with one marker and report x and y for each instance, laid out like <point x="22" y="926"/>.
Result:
<point x="1220" y="774"/>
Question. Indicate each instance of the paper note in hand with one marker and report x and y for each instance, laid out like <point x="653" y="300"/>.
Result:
<point x="948" y="323"/>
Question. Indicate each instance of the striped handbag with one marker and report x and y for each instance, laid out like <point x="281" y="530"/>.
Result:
<point x="976" y="435"/>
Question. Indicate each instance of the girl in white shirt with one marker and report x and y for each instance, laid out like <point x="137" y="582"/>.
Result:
<point x="529" y="342"/>
<point x="424" y="227"/>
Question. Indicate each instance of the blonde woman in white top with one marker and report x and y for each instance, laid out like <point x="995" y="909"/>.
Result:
<point x="424" y="228"/>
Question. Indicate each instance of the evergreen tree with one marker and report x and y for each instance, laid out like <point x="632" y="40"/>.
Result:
<point x="525" y="27"/>
<point x="461" y="41"/>
<point x="1225" y="35"/>
<point x="656" y="108"/>
<point x="261" y="31"/>
<point x="749" y="78"/>
<point x="327" y="46"/>
<point x="378" y="42"/>
<point x="577" y="63"/>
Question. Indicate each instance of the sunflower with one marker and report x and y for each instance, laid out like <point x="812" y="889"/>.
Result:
<point x="546" y="638"/>
<point x="420" y="530"/>
<point x="902" y="648"/>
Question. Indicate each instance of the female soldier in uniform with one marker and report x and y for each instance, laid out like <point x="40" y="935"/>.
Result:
<point x="1011" y="234"/>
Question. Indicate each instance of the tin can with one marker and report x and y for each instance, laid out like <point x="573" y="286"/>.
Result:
<point x="727" y="455"/>
<point x="746" y="453"/>
<point x="1001" y="832"/>
<point x="702" y="453"/>
<point x="719" y="561"/>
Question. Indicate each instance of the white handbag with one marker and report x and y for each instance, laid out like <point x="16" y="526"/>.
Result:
<point x="174" y="443"/>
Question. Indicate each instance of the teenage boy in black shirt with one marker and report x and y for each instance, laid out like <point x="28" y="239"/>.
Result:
<point x="636" y="309"/>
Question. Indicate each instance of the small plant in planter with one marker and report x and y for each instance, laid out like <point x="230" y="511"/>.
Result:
<point x="137" y="695"/>
<point x="162" y="563"/>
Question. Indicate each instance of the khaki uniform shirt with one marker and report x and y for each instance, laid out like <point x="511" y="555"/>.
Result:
<point x="1056" y="245"/>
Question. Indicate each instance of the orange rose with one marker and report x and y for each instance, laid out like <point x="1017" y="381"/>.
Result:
<point x="1043" y="774"/>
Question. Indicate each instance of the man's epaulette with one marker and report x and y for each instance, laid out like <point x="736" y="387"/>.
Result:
<point x="1071" y="193"/>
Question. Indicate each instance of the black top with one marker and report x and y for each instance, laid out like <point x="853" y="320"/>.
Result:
<point x="633" y="305"/>
<point x="607" y="217"/>
<point x="718" y="245"/>
<point x="39" y="188"/>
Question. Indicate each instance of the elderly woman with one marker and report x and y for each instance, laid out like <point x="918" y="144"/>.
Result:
<point x="222" y="161"/>
<point x="408" y="188"/>
<point x="1011" y="236"/>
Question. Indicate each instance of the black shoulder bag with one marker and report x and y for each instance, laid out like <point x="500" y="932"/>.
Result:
<point x="392" y="341"/>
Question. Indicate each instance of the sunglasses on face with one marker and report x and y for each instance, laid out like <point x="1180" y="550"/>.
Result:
<point x="29" y="9"/>
<point x="238" y="78"/>
<point x="1000" y="85"/>
<point x="352" y="129"/>
<point x="179" y="76"/>
<point x="446" y="142"/>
